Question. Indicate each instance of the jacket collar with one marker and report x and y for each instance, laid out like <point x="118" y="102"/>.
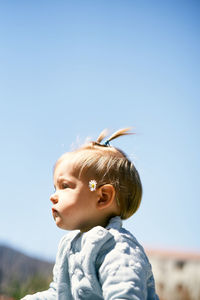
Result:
<point x="115" y="223"/>
<point x="97" y="233"/>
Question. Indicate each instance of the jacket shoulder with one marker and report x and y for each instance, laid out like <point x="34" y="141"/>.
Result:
<point x="122" y="245"/>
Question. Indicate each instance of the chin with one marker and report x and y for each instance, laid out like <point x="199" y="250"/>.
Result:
<point x="65" y="227"/>
<point x="60" y="225"/>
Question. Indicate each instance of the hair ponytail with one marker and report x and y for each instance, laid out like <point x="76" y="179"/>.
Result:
<point x="115" y="135"/>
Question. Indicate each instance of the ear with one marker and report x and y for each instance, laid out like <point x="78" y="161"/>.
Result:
<point x="106" y="195"/>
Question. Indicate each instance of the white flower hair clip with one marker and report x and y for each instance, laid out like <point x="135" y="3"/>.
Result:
<point x="92" y="185"/>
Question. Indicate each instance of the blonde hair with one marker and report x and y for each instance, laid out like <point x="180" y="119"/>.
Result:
<point x="109" y="165"/>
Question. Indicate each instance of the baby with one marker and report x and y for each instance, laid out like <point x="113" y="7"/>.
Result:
<point x="96" y="187"/>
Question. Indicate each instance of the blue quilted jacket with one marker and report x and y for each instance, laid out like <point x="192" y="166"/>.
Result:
<point x="103" y="263"/>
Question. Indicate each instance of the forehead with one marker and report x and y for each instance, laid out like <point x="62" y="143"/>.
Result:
<point x="77" y="164"/>
<point x="64" y="165"/>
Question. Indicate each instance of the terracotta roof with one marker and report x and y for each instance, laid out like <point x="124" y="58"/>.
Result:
<point x="3" y="297"/>
<point x="174" y="254"/>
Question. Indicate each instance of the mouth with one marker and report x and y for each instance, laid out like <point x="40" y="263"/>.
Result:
<point x="55" y="213"/>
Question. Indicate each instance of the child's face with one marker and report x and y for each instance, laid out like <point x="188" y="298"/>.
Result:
<point x="74" y="205"/>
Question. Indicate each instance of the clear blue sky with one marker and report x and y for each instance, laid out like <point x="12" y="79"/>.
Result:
<point x="69" y="69"/>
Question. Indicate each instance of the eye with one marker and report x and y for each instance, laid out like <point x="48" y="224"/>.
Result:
<point x="64" y="185"/>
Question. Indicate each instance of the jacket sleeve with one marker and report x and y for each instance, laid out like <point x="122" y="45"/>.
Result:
<point x="125" y="275"/>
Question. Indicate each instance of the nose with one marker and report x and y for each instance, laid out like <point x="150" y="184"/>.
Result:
<point x="54" y="198"/>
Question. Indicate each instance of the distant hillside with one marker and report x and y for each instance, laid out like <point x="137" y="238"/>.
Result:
<point x="20" y="273"/>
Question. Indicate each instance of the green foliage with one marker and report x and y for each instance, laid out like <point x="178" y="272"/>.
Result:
<point x="35" y="283"/>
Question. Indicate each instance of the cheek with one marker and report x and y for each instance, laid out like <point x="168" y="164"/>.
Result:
<point x="66" y="206"/>
<point x="69" y="205"/>
<point x="89" y="199"/>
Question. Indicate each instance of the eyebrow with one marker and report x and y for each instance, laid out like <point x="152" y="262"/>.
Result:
<point x="61" y="179"/>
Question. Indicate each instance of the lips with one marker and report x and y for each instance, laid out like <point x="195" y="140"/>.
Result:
<point x="55" y="213"/>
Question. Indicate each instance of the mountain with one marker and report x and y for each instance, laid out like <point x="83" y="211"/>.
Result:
<point x="21" y="274"/>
